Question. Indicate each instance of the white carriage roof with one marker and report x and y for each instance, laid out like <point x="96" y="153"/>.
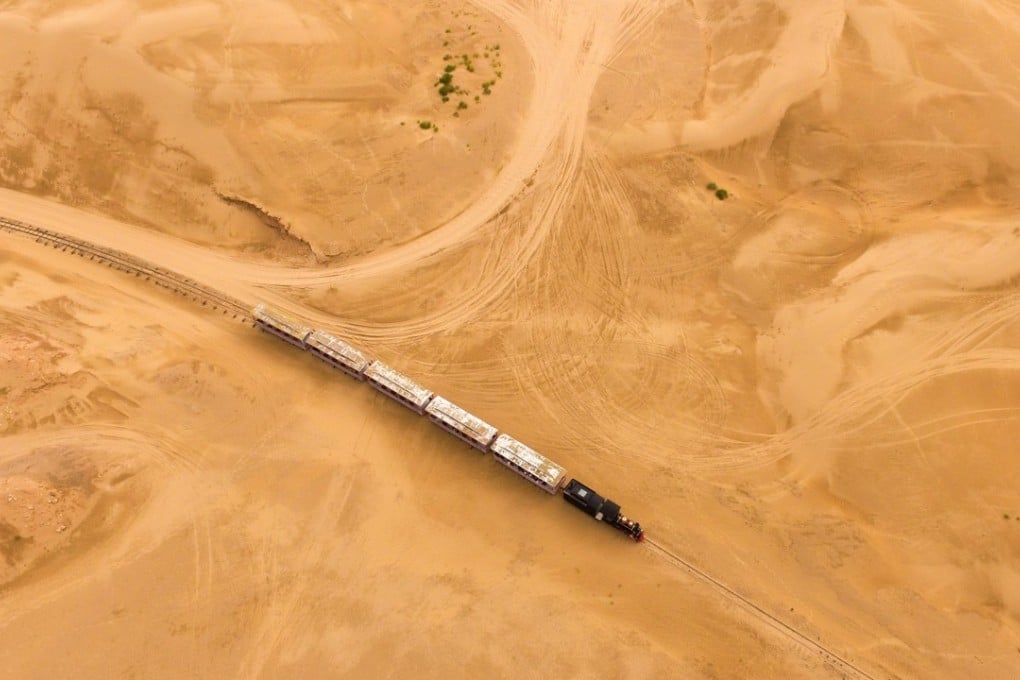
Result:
<point x="528" y="458"/>
<point x="399" y="382"/>
<point x="281" y="321"/>
<point x="470" y="422"/>
<point x="333" y="345"/>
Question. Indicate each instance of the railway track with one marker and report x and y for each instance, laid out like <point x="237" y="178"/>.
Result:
<point x="835" y="660"/>
<point x="214" y="299"/>
<point x="182" y="285"/>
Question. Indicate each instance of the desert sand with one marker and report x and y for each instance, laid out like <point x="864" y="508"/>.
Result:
<point x="810" y="390"/>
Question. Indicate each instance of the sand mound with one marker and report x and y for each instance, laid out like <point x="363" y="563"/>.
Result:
<point x="259" y="126"/>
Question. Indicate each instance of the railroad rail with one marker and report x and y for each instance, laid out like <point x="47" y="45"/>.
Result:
<point x="130" y="264"/>
<point x="835" y="660"/>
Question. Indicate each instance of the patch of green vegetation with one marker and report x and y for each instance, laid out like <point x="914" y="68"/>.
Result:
<point x="719" y="192"/>
<point x="424" y="124"/>
<point x="447" y="87"/>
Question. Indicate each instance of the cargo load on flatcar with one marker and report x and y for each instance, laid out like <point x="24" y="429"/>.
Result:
<point x="461" y="424"/>
<point x="281" y="325"/>
<point x="398" y="387"/>
<point x="528" y="463"/>
<point x="338" y="354"/>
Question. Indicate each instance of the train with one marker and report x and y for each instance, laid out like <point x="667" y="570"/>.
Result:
<point x="470" y="429"/>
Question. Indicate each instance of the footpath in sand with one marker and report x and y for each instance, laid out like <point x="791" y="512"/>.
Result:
<point x="810" y="390"/>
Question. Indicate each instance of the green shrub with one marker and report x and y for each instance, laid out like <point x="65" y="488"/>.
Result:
<point x="722" y="194"/>
<point x="712" y="186"/>
<point x="424" y="124"/>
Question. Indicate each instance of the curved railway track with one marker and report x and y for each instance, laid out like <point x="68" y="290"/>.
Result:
<point x="130" y="264"/>
<point x="214" y="299"/>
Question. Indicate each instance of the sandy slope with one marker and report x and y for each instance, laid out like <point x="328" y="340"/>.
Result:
<point x="810" y="390"/>
<point x="233" y="525"/>
<point x="233" y="121"/>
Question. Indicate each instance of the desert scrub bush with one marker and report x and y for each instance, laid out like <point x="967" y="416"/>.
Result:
<point x="720" y="193"/>
<point x="424" y="124"/>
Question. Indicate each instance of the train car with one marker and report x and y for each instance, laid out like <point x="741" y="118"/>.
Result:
<point x="461" y="424"/>
<point x="398" y="387"/>
<point x="338" y="354"/>
<point x="602" y="509"/>
<point x="281" y="325"/>
<point x="528" y="463"/>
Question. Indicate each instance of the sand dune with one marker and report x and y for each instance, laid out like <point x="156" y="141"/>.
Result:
<point x="809" y="390"/>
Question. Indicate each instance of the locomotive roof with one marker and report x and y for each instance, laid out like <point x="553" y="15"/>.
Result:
<point x="398" y="381"/>
<point x="281" y="321"/>
<point x="333" y="345"/>
<point x="528" y="458"/>
<point x="468" y="421"/>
